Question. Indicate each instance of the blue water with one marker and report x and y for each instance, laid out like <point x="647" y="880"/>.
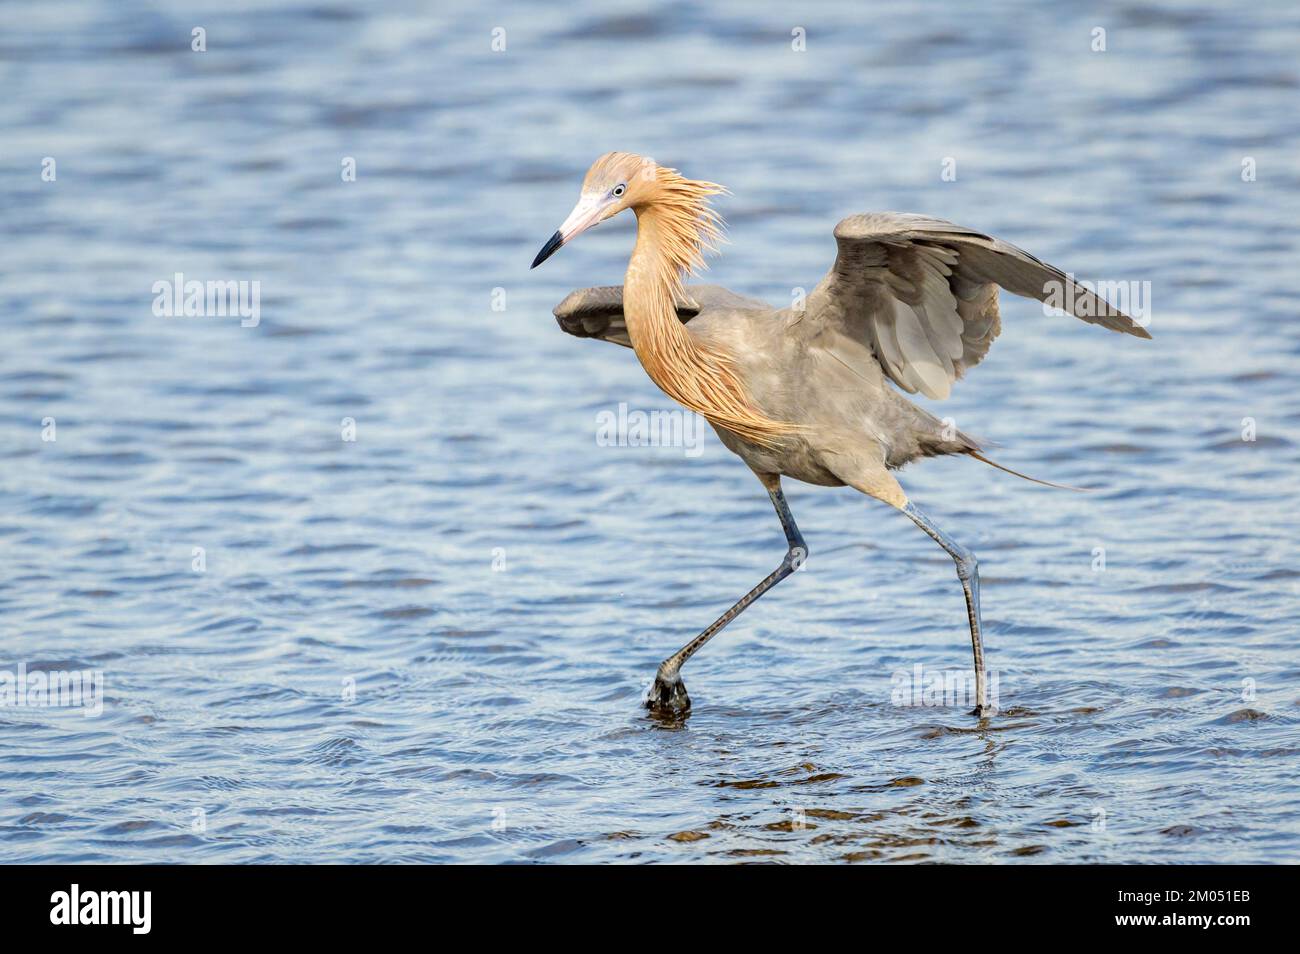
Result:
<point x="429" y="643"/>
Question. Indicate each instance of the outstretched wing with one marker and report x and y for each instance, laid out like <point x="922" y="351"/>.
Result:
<point x="924" y="294"/>
<point x="598" y="312"/>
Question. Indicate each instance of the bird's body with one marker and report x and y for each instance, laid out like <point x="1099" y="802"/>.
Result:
<point x="810" y="392"/>
<point x="869" y="422"/>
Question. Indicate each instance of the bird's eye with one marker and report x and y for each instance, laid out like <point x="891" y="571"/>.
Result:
<point x="619" y="190"/>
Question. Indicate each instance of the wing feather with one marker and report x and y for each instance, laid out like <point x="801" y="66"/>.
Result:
<point x="924" y="294"/>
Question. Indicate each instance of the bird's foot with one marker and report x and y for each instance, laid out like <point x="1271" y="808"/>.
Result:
<point x="668" y="694"/>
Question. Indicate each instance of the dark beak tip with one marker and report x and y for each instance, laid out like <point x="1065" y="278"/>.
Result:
<point x="552" y="245"/>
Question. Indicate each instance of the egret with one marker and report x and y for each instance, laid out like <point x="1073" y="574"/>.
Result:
<point x="810" y="392"/>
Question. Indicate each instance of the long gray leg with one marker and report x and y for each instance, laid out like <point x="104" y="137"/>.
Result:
<point x="669" y="692"/>
<point x="969" y="573"/>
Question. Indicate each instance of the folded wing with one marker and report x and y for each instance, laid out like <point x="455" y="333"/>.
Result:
<point x="598" y="312"/>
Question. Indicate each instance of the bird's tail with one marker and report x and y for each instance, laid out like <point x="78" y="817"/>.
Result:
<point x="1046" y="483"/>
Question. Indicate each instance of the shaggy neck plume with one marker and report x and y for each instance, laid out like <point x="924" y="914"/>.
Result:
<point x="674" y="229"/>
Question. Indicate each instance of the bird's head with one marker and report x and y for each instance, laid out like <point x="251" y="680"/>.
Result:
<point x="616" y="181"/>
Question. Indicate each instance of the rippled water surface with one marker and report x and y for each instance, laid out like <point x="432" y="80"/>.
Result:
<point x="429" y="643"/>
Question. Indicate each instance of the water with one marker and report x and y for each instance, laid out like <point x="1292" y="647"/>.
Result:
<point x="493" y="585"/>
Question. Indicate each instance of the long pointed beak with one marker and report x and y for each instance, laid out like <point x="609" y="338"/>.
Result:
<point x="553" y="245"/>
<point x="584" y="215"/>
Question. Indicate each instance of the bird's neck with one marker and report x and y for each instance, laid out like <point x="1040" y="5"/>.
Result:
<point x="702" y="377"/>
<point x="651" y="291"/>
